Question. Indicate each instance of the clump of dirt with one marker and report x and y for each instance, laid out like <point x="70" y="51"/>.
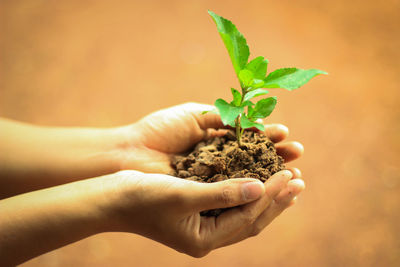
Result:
<point x="221" y="158"/>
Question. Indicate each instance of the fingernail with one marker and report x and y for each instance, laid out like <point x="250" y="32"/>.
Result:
<point x="283" y="128"/>
<point x="253" y="190"/>
<point x="296" y="172"/>
<point x="298" y="183"/>
<point x="287" y="174"/>
<point x="299" y="146"/>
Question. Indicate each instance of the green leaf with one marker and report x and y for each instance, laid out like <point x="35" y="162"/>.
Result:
<point x="258" y="66"/>
<point x="234" y="42"/>
<point x="214" y="111"/>
<point x="264" y="107"/>
<point x="232" y="124"/>
<point x="257" y="83"/>
<point x="250" y="111"/>
<point x="254" y="93"/>
<point x="227" y="112"/>
<point x="246" y="78"/>
<point x="237" y="97"/>
<point x="247" y="123"/>
<point x="247" y="103"/>
<point x="290" y="78"/>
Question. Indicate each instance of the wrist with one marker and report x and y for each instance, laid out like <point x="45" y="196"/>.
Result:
<point x="37" y="157"/>
<point x="89" y="152"/>
<point x="120" y="203"/>
<point x="128" y="151"/>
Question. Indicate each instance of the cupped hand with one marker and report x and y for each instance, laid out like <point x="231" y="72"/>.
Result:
<point x="167" y="209"/>
<point x="150" y="142"/>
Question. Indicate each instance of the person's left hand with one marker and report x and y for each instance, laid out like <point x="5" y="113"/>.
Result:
<point x="167" y="209"/>
<point x="149" y="143"/>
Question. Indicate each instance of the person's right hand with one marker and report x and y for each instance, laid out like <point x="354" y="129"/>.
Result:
<point x="167" y="209"/>
<point x="148" y="144"/>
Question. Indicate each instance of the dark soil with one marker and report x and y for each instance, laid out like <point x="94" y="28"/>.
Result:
<point x="220" y="158"/>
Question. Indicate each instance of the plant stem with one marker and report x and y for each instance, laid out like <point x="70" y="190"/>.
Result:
<point x="238" y="131"/>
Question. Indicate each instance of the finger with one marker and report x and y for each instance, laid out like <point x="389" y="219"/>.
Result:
<point x="295" y="171"/>
<point x="290" y="150"/>
<point x="211" y="133"/>
<point x="224" y="194"/>
<point x="276" y="132"/>
<point x="205" y="121"/>
<point x="286" y="200"/>
<point x="209" y="120"/>
<point x="282" y="201"/>
<point x="295" y="187"/>
<point x="294" y="201"/>
<point x="231" y="222"/>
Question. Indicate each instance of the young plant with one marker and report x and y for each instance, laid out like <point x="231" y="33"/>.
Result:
<point x="252" y="78"/>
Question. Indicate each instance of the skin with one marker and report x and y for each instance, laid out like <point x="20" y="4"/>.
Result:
<point x="68" y="205"/>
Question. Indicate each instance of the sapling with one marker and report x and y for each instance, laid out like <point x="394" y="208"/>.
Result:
<point x="241" y="113"/>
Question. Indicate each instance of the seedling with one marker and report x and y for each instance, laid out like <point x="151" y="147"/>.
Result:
<point x="253" y="79"/>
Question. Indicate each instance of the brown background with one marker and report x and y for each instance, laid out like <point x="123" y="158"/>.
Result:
<point x="108" y="63"/>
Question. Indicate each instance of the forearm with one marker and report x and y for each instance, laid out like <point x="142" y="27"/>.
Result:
<point x="37" y="222"/>
<point x="34" y="157"/>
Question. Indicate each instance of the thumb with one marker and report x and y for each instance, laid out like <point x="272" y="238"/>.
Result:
<point x="225" y="194"/>
<point x="205" y="121"/>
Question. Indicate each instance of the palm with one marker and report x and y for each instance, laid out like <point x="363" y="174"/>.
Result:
<point x="167" y="132"/>
<point x="175" y="130"/>
<point x="172" y="130"/>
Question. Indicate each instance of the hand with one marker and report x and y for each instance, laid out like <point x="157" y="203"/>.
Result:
<point x="160" y="207"/>
<point x="151" y="141"/>
<point x="167" y="209"/>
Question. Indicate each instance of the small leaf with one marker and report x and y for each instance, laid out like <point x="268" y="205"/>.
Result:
<point x="246" y="78"/>
<point x="247" y="103"/>
<point x="257" y="83"/>
<point x="264" y="107"/>
<point x="250" y="111"/>
<point x="245" y="123"/>
<point x="254" y="93"/>
<point x="214" y="111"/>
<point x="234" y="42"/>
<point x="290" y="78"/>
<point x="228" y="112"/>
<point x="258" y="66"/>
<point x="237" y="97"/>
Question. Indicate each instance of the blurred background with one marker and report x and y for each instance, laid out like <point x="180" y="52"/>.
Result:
<point x="108" y="63"/>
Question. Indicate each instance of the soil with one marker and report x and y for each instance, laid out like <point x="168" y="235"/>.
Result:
<point x="221" y="158"/>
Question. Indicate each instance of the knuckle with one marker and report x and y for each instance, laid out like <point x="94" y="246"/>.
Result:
<point x="249" y="216"/>
<point x="268" y="195"/>
<point x="256" y="230"/>
<point x="227" y="196"/>
<point x="127" y="175"/>
<point x="178" y="198"/>
<point x="285" y="201"/>
<point x="199" y="249"/>
<point x="198" y="253"/>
